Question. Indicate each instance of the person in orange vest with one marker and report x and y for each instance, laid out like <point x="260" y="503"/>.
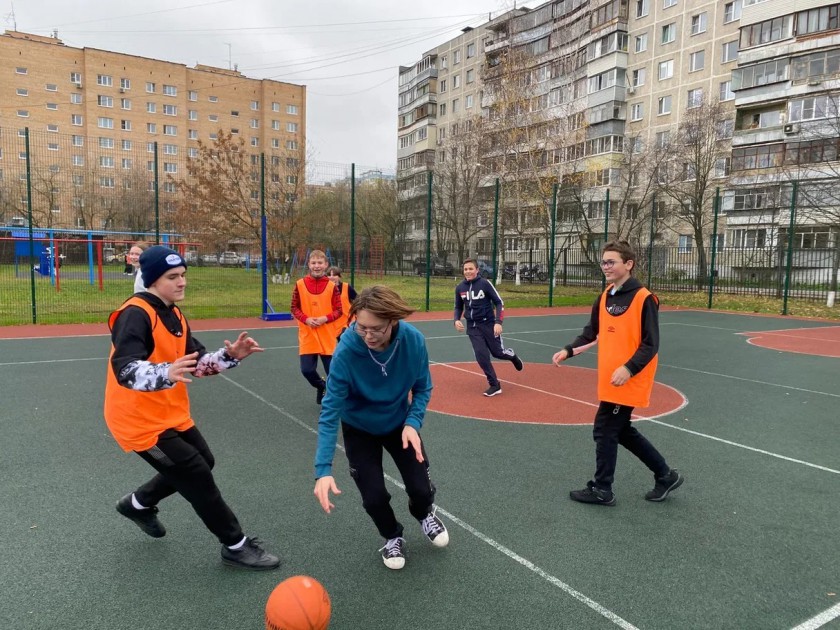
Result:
<point x="316" y="304"/>
<point x="625" y="322"/>
<point x="347" y="293"/>
<point x="147" y="407"/>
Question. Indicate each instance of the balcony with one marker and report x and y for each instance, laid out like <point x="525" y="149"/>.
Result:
<point x="495" y="45"/>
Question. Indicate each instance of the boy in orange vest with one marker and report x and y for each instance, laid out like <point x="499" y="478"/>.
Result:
<point x="347" y="293"/>
<point x="625" y="322"/>
<point x="147" y="407"/>
<point x="316" y="304"/>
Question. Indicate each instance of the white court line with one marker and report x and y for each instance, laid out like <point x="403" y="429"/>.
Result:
<point x="770" y="333"/>
<point x="751" y="380"/>
<point x="736" y="330"/>
<point x="601" y="610"/>
<point x="820" y="620"/>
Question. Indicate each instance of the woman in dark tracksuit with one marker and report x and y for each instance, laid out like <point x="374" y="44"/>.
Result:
<point x="482" y="306"/>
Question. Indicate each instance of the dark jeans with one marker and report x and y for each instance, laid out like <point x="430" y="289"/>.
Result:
<point x="309" y="368"/>
<point x="613" y="427"/>
<point x="364" y="453"/>
<point x="484" y="345"/>
<point x="184" y="461"/>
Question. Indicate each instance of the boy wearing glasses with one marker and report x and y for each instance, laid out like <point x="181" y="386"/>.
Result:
<point x="625" y="322"/>
<point x="477" y="300"/>
<point x="380" y="385"/>
<point x="316" y="304"/>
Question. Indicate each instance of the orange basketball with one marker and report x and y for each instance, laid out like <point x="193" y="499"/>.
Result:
<point x="299" y="603"/>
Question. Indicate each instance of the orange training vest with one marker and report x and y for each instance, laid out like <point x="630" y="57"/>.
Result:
<point x="618" y="339"/>
<point x="341" y="322"/>
<point x="135" y="418"/>
<point x="319" y="340"/>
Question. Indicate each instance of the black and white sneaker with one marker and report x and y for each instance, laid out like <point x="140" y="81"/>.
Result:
<point x="493" y="390"/>
<point x="393" y="553"/>
<point x="435" y="530"/>
<point x="593" y="494"/>
<point x="664" y="485"/>
<point x="146" y="520"/>
<point x="251" y="555"/>
<point x="517" y="363"/>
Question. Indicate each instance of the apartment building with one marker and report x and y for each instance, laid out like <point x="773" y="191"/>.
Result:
<point x="99" y="114"/>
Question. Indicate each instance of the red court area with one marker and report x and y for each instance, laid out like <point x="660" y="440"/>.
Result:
<point x="540" y="394"/>
<point x="823" y="342"/>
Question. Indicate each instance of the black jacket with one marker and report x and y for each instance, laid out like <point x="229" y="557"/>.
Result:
<point x="479" y="302"/>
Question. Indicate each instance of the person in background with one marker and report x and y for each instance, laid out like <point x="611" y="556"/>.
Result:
<point x="147" y="406"/>
<point x="478" y="301"/>
<point x="316" y="304"/>
<point x="347" y="293"/>
<point x="379" y="387"/>
<point x="625" y="322"/>
<point x="134" y="259"/>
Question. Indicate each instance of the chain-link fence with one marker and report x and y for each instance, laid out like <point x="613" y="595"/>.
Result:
<point x="71" y="206"/>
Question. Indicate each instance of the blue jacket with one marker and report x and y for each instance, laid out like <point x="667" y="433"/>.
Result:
<point x="479" y="302"/>
<point x="369" y="390"/>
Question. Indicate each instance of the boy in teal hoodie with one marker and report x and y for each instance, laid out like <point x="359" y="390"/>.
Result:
<point x="379" y="361"/>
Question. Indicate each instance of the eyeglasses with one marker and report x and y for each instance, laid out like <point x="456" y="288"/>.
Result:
<point x="376" y="331"/>
<point x="608" y="264"/>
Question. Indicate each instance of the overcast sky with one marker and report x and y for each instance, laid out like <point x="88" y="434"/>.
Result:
<point x="346" y="52"/>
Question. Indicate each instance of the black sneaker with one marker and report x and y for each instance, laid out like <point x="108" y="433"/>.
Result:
<point x="435" y="530"/>
<point x="592" y="494"/>
<point x="517" y="363"/>
<point x="319" y="396"/>
<point x="393" y="553"/>
<point x="250" y="556"/>
<point x="146" y="520"/>
<point x="664" y="485"/>
<point x="493" y="390"/>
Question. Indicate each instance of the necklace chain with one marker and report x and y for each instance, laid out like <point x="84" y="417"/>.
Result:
<point x="381" y="365"/>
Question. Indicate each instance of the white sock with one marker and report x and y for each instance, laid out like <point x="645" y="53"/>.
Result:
<point x="136" y="504"/>
<point x="238" y="545"/>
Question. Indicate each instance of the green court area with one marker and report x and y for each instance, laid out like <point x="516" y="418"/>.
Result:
<point x="748" y="542"/>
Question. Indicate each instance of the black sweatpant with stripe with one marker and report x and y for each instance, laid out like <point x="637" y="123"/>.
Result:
<point x="485" y="344"/>
<point x="184" y="464"/>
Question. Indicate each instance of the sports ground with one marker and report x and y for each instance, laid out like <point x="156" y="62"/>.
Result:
<point x="745" y="406"/>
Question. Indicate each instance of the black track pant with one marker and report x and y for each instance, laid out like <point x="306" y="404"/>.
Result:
<point x="485" y="344"/>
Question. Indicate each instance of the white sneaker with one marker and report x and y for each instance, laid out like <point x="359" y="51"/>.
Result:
<point x="435" y="530"/>
<point x="393" y="553"/>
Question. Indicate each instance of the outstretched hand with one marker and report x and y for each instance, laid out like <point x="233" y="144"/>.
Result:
<point x="181" y="367"/>
<point x="323" y="487"/>
<point x="410" y="436"/>
<point x="242" y="347"/>
<point x="559" y="357"/>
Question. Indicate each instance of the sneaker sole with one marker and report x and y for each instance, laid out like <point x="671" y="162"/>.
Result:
<point x="395" y="564"/>
<point x="441" y="540"/>
<point x="665" y="494"/>
<point x="609" y="503"/>
<point x="493" y="394"/>
<point x="239" y="565"/>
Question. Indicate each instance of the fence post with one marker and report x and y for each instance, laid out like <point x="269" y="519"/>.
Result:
<point x="428" y="239"/>
<point x="650" y="243"/>
<point x="31" y="234"/>
<point x="552" y="245"/>
<point x="714" y="246"/>
<point x="157" y="196"/>
<point x="496" y="269"/>
<point x="790" y="245"/>
<point x="352" y="224"/>
<point x="263" y="238"/>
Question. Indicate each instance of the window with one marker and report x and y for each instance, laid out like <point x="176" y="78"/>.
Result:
<point x="817" y="20"/>
<point x="150" y="87"/>
<point x="213" y="118"/>
<point x="642" y="8"/>
<point x="125" y="125"/>
<point x="723" y="167"/>
<point x="192" y="95"/>
<point x="53" y="106"/>
<point x="766" y="32"/>
<point x="470" y="51"/>
<point x="729" y="51"/>
<point x="641" y="42"/>
<point x="731" y="11"/>
<point x="695" y="98"/>
<point x="468" y="101"/>
<point x="106" y="161"/>
<point x="125" y="84"/>
<point x="126" y="145"/>
<point x="637" y="111"/>
<point x="442" y="109"/>
<point x="76" y="77"/>
<point x="275" y="107"/>
<point x="104" y="80"/>
<point x="470" y="76"/>
<point x="20" y="70"/>
<point x="255" y="142"/>
<point x="125" y="103"/>
<point x="638" y="77"/>
<point x="192" y="152"/>
<point x="762" y="74"/>
<point x="456" y="56"/>
<point x="77" y="141"/>
<point x="726" y="93"/>
<point x="442" y="86"/>
<point x="255" y="105"/>
<point x="291" y="145"/>
<point x="151" y="127"/>
<point x="170" y="110"/>
<point x="170" y="90"/>
<point x="664" y="105"/>
<point x="170" y="167"/>
<point x="724" y="129"/>
<point x="192" y="114"/>
<point x="105" y="101"/>
<point x="170" y="130"/>
<point x="291" y="127"/>
<point x="669" y="33"/>
<point x="455" y="105"/>
<point x="170" y="149"/>
<point x="76" y="98"/>
<point x="23" y="113"/>
<point x="456" y="81"/>
<point x="254" y="123"/>
<point x="685" y="244"/>
<point x="697" y="61"/>
<point x="668" y="3"/>
<point x="105" y="123"/>
<point x="192" y="134"/>
<point x="78" y="160"/>
<point x="698" y="23"/>
<point x="106" y="182"/>
<point x="213" y="99"/>
<point x="666" y="69"/>
<point x="106" y="143"/>
<point x="813" y="108"/>
<point x="51" y="128"/>
<point x="51" y="87"/>
<point x="292" y="110"/>
<point x="759" y="156"/>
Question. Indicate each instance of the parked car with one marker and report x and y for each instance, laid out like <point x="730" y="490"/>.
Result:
<point x="440" y="267"/>
<point x="207" y="259"/>
<point x="230" y="259"/>
<point x="191" y="256"/>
